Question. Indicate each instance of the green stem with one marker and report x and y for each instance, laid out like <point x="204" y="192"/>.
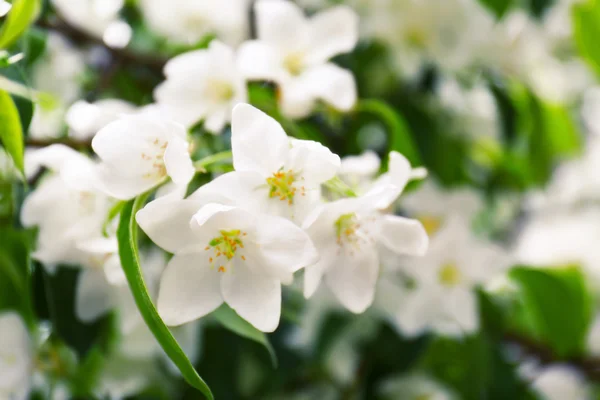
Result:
<point x="201" y="164"/>
<point x="338" y="186"/>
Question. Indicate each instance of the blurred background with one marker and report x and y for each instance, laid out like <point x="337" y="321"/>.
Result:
<point x="497" y="99"/>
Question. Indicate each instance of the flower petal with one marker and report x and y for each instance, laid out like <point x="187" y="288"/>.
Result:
<point x="313" y="274"/>
<point x="334" y="85"/>
<point x="167" y="222"/>
<point x="403" y="235"/>
<point x="281" y="24"/>
<point x="189" y="289"/>
<point x="258" y="142"/>
<point x="259" y="61"/>
<point x="352" y="277"/>
<point x="333" y="31"/>
<point x="93" y="295"/>
<point x="255" y="297"/>
<point x="178" y="162"/>
<point x="315" y="162"/>
<point x="123" y="187"/>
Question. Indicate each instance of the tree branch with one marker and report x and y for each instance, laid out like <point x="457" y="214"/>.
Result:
<point x="75" y="144"/>
<point x="125" y="55"/>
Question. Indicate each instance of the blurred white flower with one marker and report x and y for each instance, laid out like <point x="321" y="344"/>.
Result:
<point x="223" y="253"/>
<point x="560" y="382"/>
<point x="16" y="358"/>
<point x="415" y="387"/>
<point x="348" y="234"/>
<point x="202" y="85"/>
<point x="293" y="51"/>
<point x="440" y="295"/>
<point x="273" y="174"/>
<point x="86" y="119"/>
<point x="55" y="74"/>
<point x="185" y="21"/>
<point x="139" y="152"/>
<point x="91" y="16"/>
<point x="359" y="171"/>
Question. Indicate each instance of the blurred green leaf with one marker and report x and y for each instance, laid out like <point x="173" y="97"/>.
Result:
<point x="127" y="234"/>
<point x="399" y="136"/>
<point x="11" y="132"/>
<point x="586" y="31"/>
<point x="22" y="13"/>
<point x="232" y="321"/>
<point x="558" y="306"/>
<point x="498" y="7"/>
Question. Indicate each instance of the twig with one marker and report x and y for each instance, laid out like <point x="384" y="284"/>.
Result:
<point x="590" y="366"/>
<point x="75" y="144"/>
<point x="78" y="36"/>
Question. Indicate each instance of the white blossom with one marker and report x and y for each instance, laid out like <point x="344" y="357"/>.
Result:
<point x="293" y="51"/>
<point x="203" y="85"/>
<point x="223" y="254"/>
<point x="273" y="173"/>
<point x="187" y="22"/>
<point x="415" y="387"/>
<point x="348" y="234"/>
<point x="16" y="358"/>
<point x="92" y="16"/>
<point x="86" y="119"/>
<point x="139" y="152"/>
<point x="559" y="382"/>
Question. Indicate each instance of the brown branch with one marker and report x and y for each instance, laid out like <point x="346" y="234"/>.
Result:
<point x="81" y="37"/>
<point x="590" y="366"/>
<point x="75" y="144"/>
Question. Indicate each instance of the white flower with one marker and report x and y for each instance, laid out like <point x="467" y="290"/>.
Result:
<point x="415" y="387"/>
<point x="359" y="171"/>
<point x="442" y="296"/>
<point x="56" y="74"/>
<point x="202" y="85"/>
<point x="92" y="16"/>
<point x="86" y="119"/>
<point x="223" y="253"/>
<point x="273" y="173"/>
<point x="293" y="51"/>
<point x="16" y="359"/>
<point x="141" y="151"/>
<point x="560" y="382"/>
<point x="188" y="22"/>
<point x="348" y="234"/>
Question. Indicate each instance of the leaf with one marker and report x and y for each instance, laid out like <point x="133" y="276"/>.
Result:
<point x="232" y="321"/>
<point x="498" y="7"/>
<point x="558" y="306"/>
<point x="22" y="13"/>
<point x="586" y="31"/>
<point x="128" y="253"/>
<point x="11" y="132"/>
<point x="399" y="136"/>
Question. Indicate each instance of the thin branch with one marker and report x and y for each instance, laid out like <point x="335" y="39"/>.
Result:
<point x="75" y="144"/>
<point x="590" y="366"/>
<point x="79" y="36"/>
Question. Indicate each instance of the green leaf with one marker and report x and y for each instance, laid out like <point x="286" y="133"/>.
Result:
<point x="11" y="132"/>
<point x="399" y="136"/>
<point x="129" y="255"/>
<point x="498" y="7"/>
<point x="586" y="31"/>
<point x="22" y="13"/>
<point x="558" y="306"/>
<point x="232" y="321"/>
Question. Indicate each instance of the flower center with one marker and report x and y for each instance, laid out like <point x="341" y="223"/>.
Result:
<point x="219" y="90"/>
<point x="294" y="63"/>
<point x="282" y="185"/>
<point x="417" y="37"/>
<point x="449" y="274"/>
<point x="156" y="159"/>
<point x="431" y="223"/>
<point x="346" y="227"/>
<point x="225" y="247"/>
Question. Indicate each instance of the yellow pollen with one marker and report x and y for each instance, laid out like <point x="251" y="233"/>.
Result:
<point x="225" y="245"/>
<point x="431" y="223"/>
<point x="345" y="228"/>
<point x="449" y="274"/>
<point x="222" y="269"/>
<point x="281" y="186"/>
<point x="244" y="258"/>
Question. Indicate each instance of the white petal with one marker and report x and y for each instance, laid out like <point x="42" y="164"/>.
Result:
<point x="366" y="164"/>
<point x="403" y="235"/>
<point x="52" y="157"/>
<point x="297" y="97"/>
<point x="315" y="162"/>
<point x="258" y="142"/>
<point x="280" y="248"/>
<point x="282" y="25"/>
<point x="93" y="295"/>
<point x="259" y="61"/>
<point x="213" y="218"/>
<point x="178" y="162"/>
<point x="216" y="120"/>
<point x="333" y="31"/>
<point x="124" y="187"/>
<point x="255" y="297"/>
<point x="167" y="222"/>
<point x="233" y="188"/>
<point x="353" y="276"/>
<point x="16" y="347"/>
<point x="313" y="274"/>
<point x="189" y="289"/>
<point x="461" y="308"/>
<point x="334" y="85"/>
